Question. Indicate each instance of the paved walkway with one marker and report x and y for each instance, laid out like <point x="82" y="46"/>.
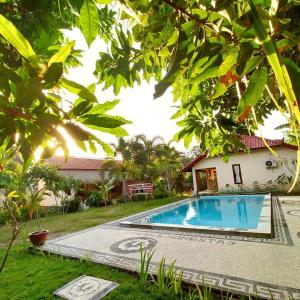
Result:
<point x="231" y="263"/>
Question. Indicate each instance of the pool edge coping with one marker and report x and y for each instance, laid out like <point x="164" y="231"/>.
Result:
<point x="263" y="230"/>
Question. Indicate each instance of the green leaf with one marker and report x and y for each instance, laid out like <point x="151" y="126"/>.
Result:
<point x="222" y="4"/>
<point x="76" y="132"/>
<point x="251" y="64"/>
<point x="178" y="114"/>
<point x="103" y="107"/>
<point x="81" y="145"/>
<point x="108" y="149"/>
<point x="9" y="74"/>
<point x="117" y="131"/>
<point x="103" y="1"/>
<point x="48" y="152"/>
<point x="189" y="27"/>
<point x="119" y="82"/>
<point x="17" y="40"/>
<point x="92" y="146"/>
<point x="174" y="38"/>
<point x="52" y="75"/>
<point x="27" y="92"/>
<point x="78" y="89"/>
<point x="294" y="72"/>
<point x="89" y="21"/>
<point x="208" y="73"/>
<point x="254" y="91"/>
<point x="245" y="54"/>
<point x="220" y="89"/>
<point x="103" y="121"/>
<point x="62" y="142"/>
<point x="187" y="140"/>
<point x="81" y="108"/>
<point x="62" y="53"/>
<point x="274" y="58"/>
<point x="228" y="62"/>
<point x="4" y="88"/>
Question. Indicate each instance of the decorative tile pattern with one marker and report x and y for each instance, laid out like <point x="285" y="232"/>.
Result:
<point x="133" y="245"/>
<point x="86" y="288"/>
<point x="222" y="282"/>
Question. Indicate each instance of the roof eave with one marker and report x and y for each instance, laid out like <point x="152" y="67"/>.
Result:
<point x="188" y="168"/>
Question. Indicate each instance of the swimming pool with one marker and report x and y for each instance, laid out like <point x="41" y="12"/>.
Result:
<point x="234" y="213"/>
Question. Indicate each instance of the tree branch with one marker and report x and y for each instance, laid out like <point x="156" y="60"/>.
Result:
<point x="182" y="10"/>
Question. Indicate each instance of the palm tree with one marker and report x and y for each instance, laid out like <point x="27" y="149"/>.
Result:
<point x="149" y="145"/>
<point x="123" y="147"/>
<point x="32" y="202"/>
<point x="120" y="170"/>
<point x="290" y="135"/>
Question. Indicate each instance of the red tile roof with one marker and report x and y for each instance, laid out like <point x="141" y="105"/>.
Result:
<point x="75" y="163"/>
<point x="255" y="142"/>
<point x="251" y="142"/>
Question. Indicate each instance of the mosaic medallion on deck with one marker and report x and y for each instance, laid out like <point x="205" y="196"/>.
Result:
<point x="133" y="245"/>
<point x="86" y="288"/>
<point x="295" y="213"/>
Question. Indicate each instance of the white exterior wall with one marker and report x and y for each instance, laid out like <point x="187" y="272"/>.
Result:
<point x="89" y="176"/>
<point x="252" y="167"/>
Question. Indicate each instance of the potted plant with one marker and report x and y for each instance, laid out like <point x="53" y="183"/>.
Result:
<point x="37" y="238"/>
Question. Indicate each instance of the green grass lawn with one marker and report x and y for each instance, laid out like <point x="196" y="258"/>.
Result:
<point x="36" y="276"/>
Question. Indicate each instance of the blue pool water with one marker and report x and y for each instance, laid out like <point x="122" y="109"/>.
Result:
<point x="217" y="211"/>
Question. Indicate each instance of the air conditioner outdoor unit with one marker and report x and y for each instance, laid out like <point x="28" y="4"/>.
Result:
<point x="272" y="163"/>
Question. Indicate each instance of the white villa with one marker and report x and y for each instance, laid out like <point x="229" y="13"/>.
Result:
<point x="258" y="166"/>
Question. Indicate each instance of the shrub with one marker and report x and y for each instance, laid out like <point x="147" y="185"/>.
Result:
<point x="159" y="190"/>
<point x="4" y="217"/>
<point x="95" y="199"/>
<point x="73" y="205"/>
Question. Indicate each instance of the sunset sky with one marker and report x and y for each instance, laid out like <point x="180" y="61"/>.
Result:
<point x="150" y="117"/>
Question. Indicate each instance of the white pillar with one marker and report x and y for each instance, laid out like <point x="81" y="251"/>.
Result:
<point x="194" y="182"/>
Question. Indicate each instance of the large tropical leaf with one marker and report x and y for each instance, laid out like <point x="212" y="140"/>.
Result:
<point x="78" y="89"/>
<point x="253" y="92"/>
<point x="117" y="131"/>
<point x="103" y="120"/>
<point x="76" y="132"/>
<point x="89" y="20"/>
<point x="53" y="74"/>
<point x="61" y="55"/>
<point x="275" y="60"/>
<point x="17" y="40"/>
<point x="294" y="72"/>
<point x="27" y="92"/>
<point x="103" y="107"/>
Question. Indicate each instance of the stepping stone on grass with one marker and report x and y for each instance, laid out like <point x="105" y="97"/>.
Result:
<point x="86" y="288"/>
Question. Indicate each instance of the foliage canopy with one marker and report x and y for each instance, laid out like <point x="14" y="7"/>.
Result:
<point x="229" y="65"/>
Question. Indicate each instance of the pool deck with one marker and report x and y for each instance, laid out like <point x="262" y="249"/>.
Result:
<point x="230" y="263"/>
